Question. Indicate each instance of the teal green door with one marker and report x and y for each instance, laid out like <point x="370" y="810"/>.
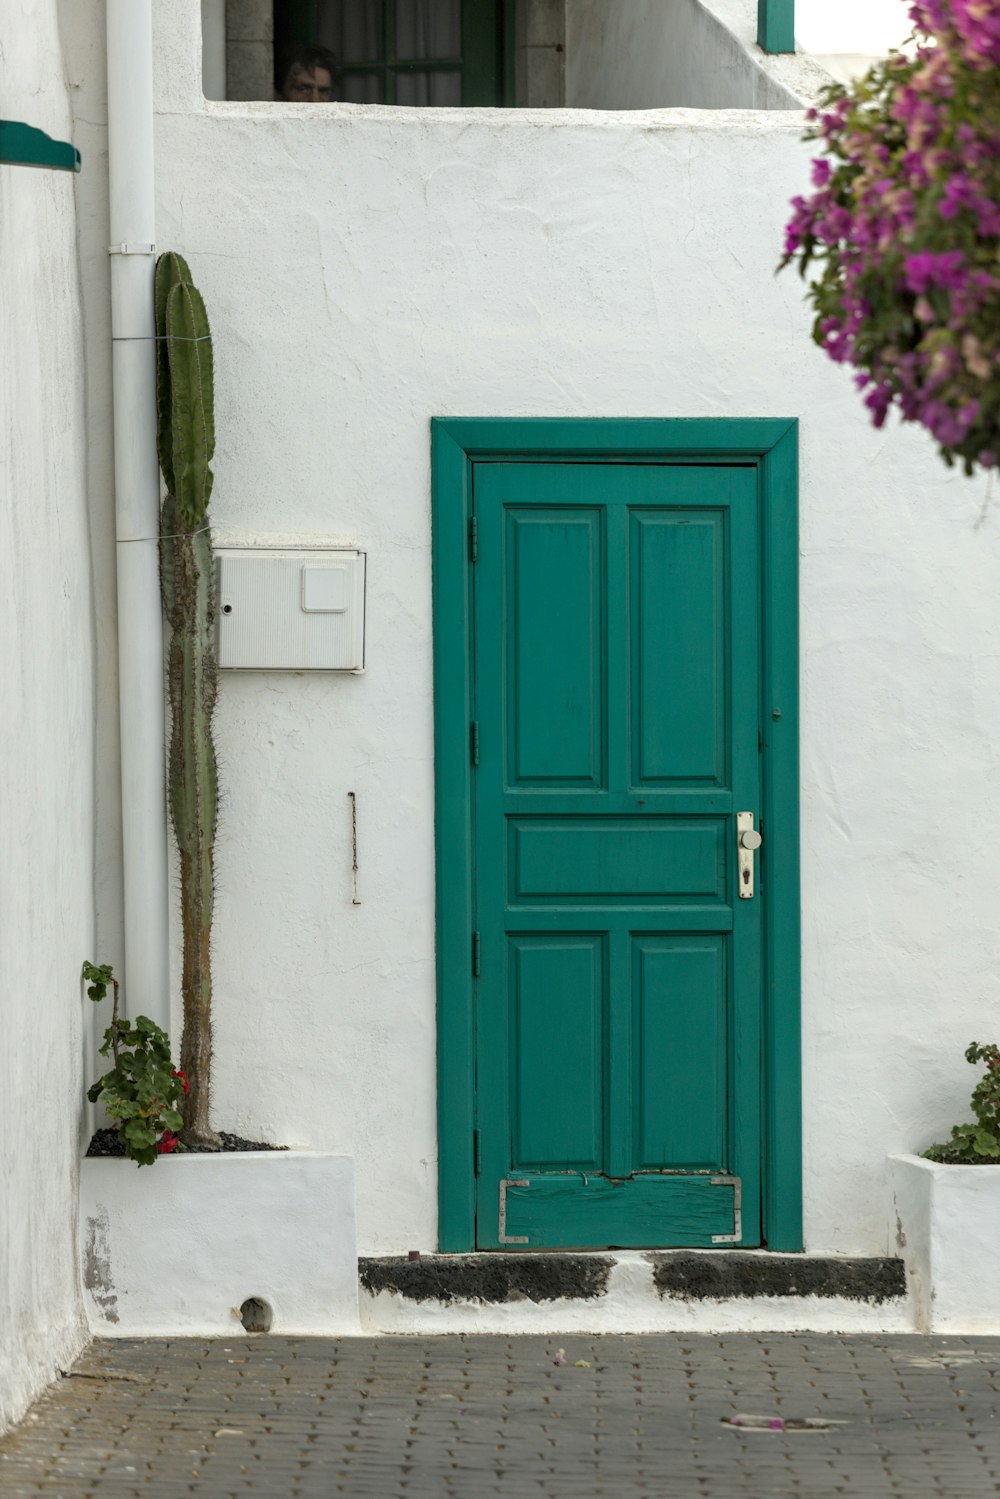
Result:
<point x="617" y="967"/>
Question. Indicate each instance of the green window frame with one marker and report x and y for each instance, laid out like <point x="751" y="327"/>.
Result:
<point x="485" y="62"/>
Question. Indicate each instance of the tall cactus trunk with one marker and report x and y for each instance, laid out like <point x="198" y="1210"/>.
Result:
<point x="186" y="442"/>
<point x="187" y="581"/>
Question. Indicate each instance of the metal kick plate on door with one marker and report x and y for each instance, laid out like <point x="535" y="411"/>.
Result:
<point x="737" y="1185"/>
<point x="502" y="1234"/>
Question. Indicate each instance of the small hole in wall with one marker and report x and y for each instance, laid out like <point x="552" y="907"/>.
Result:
<point x="255" y="1314"/>
<point x="227" y="608"/>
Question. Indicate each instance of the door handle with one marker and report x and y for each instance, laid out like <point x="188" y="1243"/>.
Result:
<point x="747" y="840"/>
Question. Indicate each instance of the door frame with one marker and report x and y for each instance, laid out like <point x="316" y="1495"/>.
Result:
<point x="771" y="443"/>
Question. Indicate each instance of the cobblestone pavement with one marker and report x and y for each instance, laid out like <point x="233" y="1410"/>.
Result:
<point x="466" y="1416"/>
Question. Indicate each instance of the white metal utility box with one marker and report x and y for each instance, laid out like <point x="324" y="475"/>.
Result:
<point x="287" y="609"/>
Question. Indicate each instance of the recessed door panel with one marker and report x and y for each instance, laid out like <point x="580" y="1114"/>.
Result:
<point x="553" y="606"/>
<point x="557" y="1042"/>
<point x="677" y="595"/>
<point x="601" y="860"/>
<point x="679" y="1053"/>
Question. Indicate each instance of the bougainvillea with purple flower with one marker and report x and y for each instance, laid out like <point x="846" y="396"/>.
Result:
<point x="903" y="228"/>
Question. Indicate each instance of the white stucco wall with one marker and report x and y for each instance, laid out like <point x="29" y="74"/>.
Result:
<point x="47" y="727"/>
<point x="872" y="26"/>
<point x="366" y="269"/>
<point x="696" y="54"/>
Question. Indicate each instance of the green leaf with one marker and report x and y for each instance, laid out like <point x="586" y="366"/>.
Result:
<point x="986" y="1144"/>
<point x="139" y="1091"/>
<point x="98" y="978"/>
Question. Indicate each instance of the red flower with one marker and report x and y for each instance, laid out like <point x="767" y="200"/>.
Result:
<point x="183" y="1078"/>
<point x="166" y="1143"/>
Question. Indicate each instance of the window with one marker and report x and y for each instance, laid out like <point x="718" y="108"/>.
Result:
<point x="417" y="52"/>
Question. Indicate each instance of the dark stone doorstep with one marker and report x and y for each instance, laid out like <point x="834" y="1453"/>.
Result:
<point x="489" y="1277"/>
<point x="684" y="1274"/>
<point x="721" y="1275"/>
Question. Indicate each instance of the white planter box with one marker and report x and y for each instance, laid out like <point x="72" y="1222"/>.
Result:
<point x="947" y="1222"/>
<point x="176" y="1248"/>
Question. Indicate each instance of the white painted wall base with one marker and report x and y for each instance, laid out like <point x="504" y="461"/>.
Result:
<point x="175" y="1248"/>
<point x="946" y="1220"/>
<point x="632" y="1304"/>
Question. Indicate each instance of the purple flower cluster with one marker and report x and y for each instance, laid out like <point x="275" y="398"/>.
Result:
<point x="903" y="224"/>
<point x="970" y="27"/>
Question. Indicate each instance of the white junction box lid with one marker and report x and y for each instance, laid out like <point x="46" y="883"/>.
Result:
<point x="288" y="609"/>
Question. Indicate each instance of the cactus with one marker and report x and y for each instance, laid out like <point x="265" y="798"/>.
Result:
<point x="185" y="445"/>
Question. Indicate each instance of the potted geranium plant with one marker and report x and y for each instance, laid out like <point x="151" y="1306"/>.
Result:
<point x="142" y="1090"/>
<point x="947" y="1214"/>
<point x="976" y="1142"/>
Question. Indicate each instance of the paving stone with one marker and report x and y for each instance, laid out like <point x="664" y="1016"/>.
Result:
<point x="469" y="1417"/>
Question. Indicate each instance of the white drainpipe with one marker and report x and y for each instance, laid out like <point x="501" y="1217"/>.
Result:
<point x="137" y="504"/>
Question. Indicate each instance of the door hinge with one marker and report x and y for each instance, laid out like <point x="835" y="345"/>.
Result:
<point x="473" y="539"/>
<point x="474" y="742"/>
<point x="475" y="955"/>
<point x="475" y="1152"/>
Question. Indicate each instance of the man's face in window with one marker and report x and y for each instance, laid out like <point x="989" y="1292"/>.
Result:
<point x="305" y="87"/>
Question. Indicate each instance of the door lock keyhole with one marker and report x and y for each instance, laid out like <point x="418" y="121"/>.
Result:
<point x="748" y="840"/>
